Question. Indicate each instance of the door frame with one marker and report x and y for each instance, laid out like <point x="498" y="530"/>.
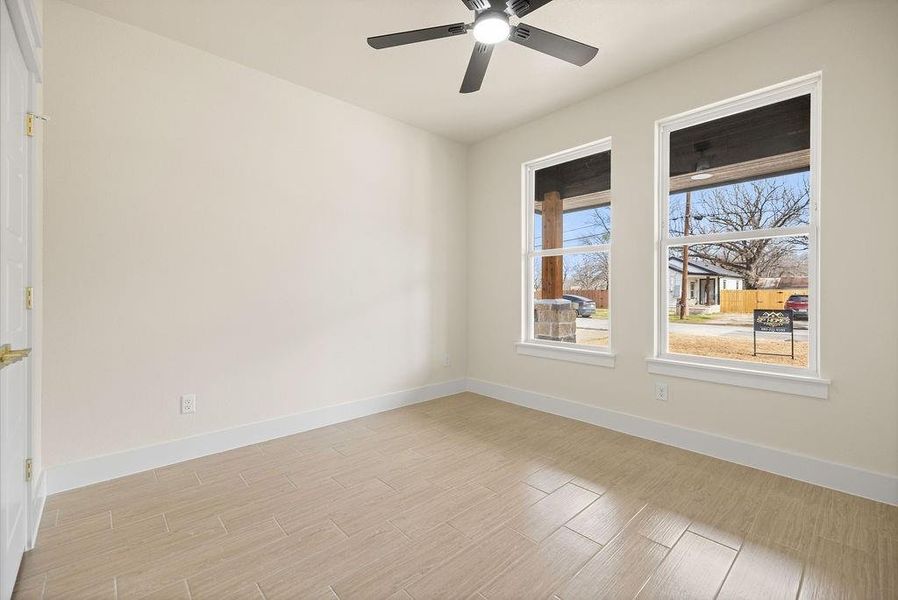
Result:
<point x="29" y="35"/>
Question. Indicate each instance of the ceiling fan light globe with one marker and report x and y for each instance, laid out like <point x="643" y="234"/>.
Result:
<point x="491" y="29"/>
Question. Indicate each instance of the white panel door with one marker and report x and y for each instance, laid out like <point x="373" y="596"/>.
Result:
<point x="14" y="224"/>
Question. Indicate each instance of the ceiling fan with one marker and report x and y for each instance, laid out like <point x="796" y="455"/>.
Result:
<point x="491" y="26"/>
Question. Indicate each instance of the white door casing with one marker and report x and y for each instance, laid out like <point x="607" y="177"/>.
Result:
<point x="15" y="222"/>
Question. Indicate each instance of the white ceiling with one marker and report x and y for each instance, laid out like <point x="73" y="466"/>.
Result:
<point x="320" y="44"/>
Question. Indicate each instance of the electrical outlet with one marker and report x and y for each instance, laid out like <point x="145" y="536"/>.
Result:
<point x="188" y="404"/>
<point x="447" y="360"/>
<point x="661" y="392"/>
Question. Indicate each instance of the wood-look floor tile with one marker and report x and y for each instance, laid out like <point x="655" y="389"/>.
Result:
<point x="74" y="529"/>
<point x="98" y="590"/>
<point x="496" y="511"/>
<point x="726" y="516"/>
<point x="618" y="570"/>
<point x="312" y="575"/>
<point x="540" y="520"/>
<point x="143" y="579"/>
<point x="312" y="515"/>
<point x="237" y="576"/>
<point x="664" y="525"/>
<point x="90" y="569"/>
<point x="788" y="515"/>
<point x="304" y="511"/>
<point x="850" y="520"/>
<point x="888" y="566"/>
<point x="418" y="520"/>
<point x="55" y="556"/>
<point x="835" y="570"/>
<point x="315" y="491"/>
<point x="888" y="520"/>
<point x="370" y="511"/>
<point x="607" y="516"/>
<point x="550" y="478"/>
<point x="694" y="568"/>
<point x="763" y="571"/>
<point x="29" y="588"/>
<point x="390" y="573"/>
<point x="49" y="519"/>
<point x="511" y="473"/>
<point x="188" y="516"/>
<point x="543" y="569"/>
<point x="473" y="567"/>
<point x="174" y="591"/>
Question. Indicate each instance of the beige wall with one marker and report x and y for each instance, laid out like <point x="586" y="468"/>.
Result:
<point x="37" y="269"/>
<point x="855" y="45"/>
<point x="215" y="230"/>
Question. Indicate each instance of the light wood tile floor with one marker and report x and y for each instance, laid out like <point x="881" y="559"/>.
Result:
<point x="462" y="497"/>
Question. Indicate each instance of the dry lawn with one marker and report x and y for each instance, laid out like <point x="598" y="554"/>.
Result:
<point x="739" y="349"/>
<point x="592" y="337"/>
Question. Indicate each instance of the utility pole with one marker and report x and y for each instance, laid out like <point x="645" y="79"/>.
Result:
<point x="684" y="297"/>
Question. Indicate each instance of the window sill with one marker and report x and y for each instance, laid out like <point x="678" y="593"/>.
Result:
<point x="602" y="358"/>
<point x="799" y="385"/>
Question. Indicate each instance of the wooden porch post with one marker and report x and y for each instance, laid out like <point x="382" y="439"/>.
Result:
<point x="553" y="237"/>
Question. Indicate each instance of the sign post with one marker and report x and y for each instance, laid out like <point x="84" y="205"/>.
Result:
<point x="773" y="321"/>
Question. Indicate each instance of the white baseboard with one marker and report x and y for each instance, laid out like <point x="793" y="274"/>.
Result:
<point x="876" y="486"/>
<point x="852" y="480"/>
<point x="102" y="468"/>
<point x="38" y="499"/>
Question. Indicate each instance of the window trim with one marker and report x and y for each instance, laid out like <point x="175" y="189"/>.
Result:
<point x="722" y="370"/>
<point x="528" y="344"/>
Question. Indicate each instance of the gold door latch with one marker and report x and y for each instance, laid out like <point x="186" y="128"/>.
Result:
<point x="9" y="356"/>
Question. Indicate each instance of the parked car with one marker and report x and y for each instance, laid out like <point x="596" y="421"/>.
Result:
<point x="798" y="304"/>
<point x="585" y="307"/>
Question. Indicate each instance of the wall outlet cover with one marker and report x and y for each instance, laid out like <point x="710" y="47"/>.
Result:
<point x="188" y="404"/>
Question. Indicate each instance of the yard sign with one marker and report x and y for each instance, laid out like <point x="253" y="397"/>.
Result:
<point x="773" y="321"/>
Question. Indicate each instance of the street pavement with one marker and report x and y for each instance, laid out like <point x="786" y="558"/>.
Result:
<point x="733" y="330"/>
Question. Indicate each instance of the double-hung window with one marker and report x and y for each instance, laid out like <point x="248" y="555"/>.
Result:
<point x="566" y="255"/>
<point x="738" y="275"/>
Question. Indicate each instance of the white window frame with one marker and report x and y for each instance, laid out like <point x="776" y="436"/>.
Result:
<point x="528" y="344"/>
<point x="794" y="380"/>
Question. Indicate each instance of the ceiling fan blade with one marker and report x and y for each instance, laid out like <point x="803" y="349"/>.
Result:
<point x="418" y="35"/>
<point x="552" y="44"/>
<point x="525" y="7"/>
<point x="477" y="4"/>
<point x="480" y="60"/>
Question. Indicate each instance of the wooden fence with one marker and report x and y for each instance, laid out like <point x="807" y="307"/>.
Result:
<point x="745" y="301"/>
<point x="600" y="297"/>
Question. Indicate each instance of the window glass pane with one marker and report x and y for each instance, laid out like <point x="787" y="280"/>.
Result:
<point x="724" y="285"/>
<point x="746" y="171"/>
<point x="571" y="299"/>
<point x="773" y="202"/>
<point x="572" y="203"/>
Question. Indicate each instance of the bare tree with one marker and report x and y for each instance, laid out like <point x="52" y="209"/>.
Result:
<point x="767" y="203"/>
<point x="590" y="272"/>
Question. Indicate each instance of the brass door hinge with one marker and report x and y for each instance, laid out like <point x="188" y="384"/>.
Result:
<point x="29" y="298"/>
<point x="28" y="469"/>
<point x="29" y="122"/>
